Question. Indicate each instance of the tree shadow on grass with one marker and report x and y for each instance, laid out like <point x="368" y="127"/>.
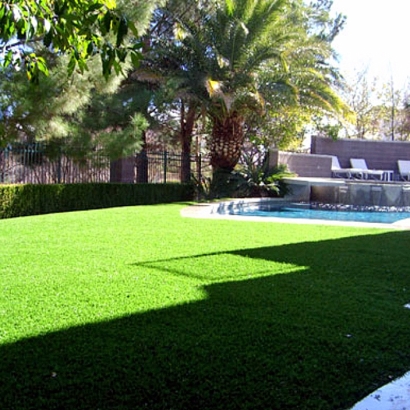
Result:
<point x="319" y="338"/>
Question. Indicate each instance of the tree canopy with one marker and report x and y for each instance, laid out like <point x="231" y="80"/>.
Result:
<point x="231" y="68"/>
<point x="79" y="28"/>
<point x="82" y="110"/>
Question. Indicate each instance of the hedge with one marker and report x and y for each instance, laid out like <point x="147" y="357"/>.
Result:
<point x="36" y="199"/>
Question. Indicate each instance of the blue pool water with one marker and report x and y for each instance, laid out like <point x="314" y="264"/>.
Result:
<point x="332" y="215"/>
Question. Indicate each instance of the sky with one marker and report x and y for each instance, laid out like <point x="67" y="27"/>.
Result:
<point x="376" y="35"/>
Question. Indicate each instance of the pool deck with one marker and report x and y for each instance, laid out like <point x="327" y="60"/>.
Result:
<point x="218" y="210"/>
<point x="319" y="181"/>
<point x="392" y="396"/>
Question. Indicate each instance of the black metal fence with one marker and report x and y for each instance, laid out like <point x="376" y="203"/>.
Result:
<point x="161" y="167"/>
<point x="39" y="164"/>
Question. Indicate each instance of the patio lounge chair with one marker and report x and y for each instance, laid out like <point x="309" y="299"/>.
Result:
<point x="338" y="171"/>
<point x="404" y="169"/>
<point x="360" y="163"/>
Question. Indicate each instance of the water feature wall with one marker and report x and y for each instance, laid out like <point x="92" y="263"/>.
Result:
<point x="362" y="194"/>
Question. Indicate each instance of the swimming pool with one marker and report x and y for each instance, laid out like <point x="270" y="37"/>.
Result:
<point x="294" y="211"/>
<point x="278" y="210"/>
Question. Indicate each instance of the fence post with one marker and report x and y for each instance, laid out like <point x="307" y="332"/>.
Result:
<point x="59" y="165"/>
<point x="141" y="163"/>
<point x="165" y="166"/>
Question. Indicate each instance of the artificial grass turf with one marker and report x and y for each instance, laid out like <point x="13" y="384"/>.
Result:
<point x="134" y="308"/>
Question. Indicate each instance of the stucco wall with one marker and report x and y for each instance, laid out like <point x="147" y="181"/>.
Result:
<point x="306" y="165"/>
<point x="378" y="154"/>
<point x="122" y="170"/>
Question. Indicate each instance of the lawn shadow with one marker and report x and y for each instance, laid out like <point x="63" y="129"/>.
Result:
<point x="319" y="338"/>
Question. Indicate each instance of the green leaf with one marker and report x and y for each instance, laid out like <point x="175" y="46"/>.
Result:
<point x="135" y="58"/>
<point x="230" y="6"/>
<point x="82" y="65"/>
<point x="111" y="4"/>
<point x="8" y="59"/>
<point x="90" y="48"/>
<point x="71" y="65"/>
<point x="117" y="67"/>
<point x="106" y="23"/>
<point x="41" y="65"/>
<point x="137" y="47"/>
<point x="76" y="53"/>
<point x="94" y="7"/>
<point x="122" y="30"/>
<point x="121" y="54"/>
<point x="133" y="29"/>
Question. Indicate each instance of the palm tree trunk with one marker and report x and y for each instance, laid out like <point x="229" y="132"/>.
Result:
<point x="226" y="146"/>
<point x="227" y="141"/>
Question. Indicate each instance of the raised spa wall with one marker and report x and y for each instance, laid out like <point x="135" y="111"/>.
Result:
<point x="353" y="193"/>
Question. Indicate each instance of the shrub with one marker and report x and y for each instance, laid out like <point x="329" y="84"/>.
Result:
<point x="30" y="199"/>
<point x="253" y="177"/>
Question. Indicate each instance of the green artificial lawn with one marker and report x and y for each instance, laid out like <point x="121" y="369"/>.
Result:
<point x="139" y="308"/>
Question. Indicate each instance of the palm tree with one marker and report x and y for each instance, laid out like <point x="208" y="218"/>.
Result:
<point x="244" y="36"/>
<point x="248" y="53"/>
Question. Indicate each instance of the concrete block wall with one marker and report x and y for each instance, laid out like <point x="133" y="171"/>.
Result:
<point x="378" y="154"/>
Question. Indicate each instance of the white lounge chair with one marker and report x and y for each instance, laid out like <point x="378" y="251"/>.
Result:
<point x="360" y="163"/>
<point x="338" y="171"/>
<point x="404" y="169"/>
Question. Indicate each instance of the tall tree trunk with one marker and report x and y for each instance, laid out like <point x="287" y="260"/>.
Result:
<point x="227" y="141"/>
<point x="187" y="127"/>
